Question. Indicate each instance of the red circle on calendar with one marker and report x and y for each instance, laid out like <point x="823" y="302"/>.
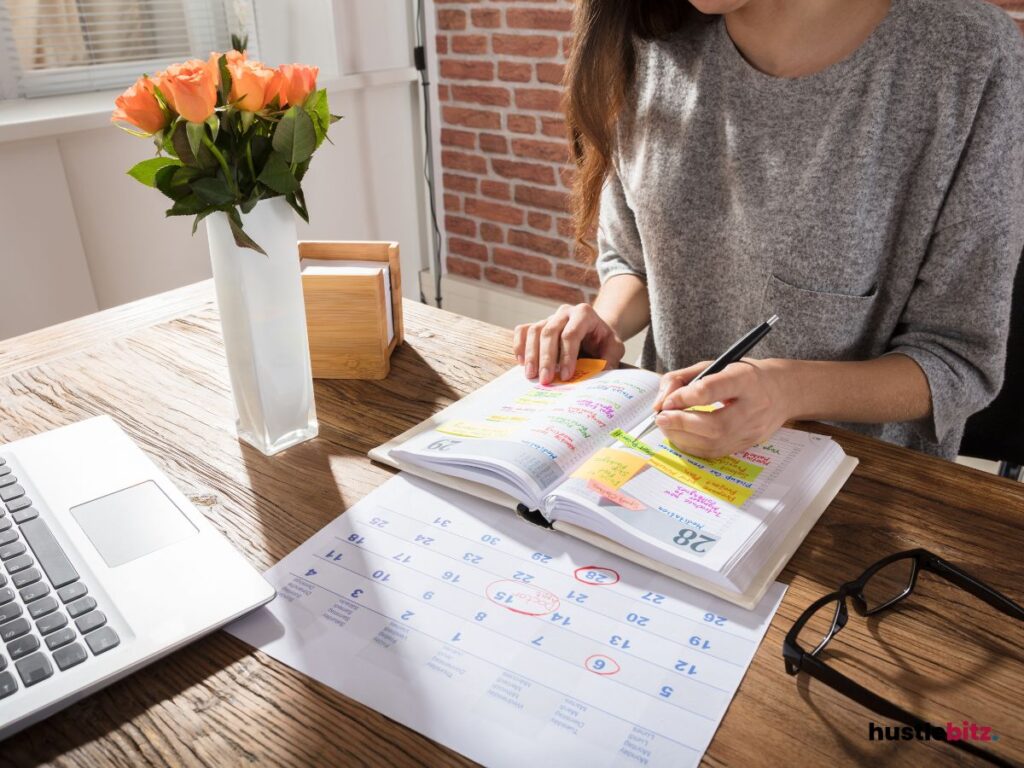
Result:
<point x="600" y="664"/>
<point x="596" y="576"/>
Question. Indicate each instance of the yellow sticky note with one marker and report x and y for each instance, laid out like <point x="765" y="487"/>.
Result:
<point x="687" y="474"/>
<point x="611" y="467"/>
<point x="730" y="465"/>
<point x="463" y="428"/>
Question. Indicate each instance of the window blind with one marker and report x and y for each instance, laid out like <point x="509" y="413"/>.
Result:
<point x="53" y="47"/>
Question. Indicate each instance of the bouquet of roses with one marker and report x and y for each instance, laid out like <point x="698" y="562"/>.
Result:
<point x="229" y="132"/>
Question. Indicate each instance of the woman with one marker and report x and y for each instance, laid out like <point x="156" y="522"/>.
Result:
<point x="856" y="168"/>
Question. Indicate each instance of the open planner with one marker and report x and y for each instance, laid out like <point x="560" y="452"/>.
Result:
<point x="566" y="456"/>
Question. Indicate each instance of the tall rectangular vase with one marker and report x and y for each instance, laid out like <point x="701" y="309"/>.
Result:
<point x="263" y="317"/>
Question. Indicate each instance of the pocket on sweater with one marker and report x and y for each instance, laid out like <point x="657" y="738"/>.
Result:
<point x="815" y="325"/>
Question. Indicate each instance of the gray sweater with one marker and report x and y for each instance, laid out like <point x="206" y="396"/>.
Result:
<point x="876" y="206"/>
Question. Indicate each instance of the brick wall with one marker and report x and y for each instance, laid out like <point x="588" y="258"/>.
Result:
<point x="506" y="175"/>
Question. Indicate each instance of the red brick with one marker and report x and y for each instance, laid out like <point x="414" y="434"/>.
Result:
<point x="567" y="47"/>
<point x="581" y="276"/>
<point x="501" y="276"/>
<point x="524" y="262"/>
<point x="460" y="226"/>
<point x="550" y="151"/>
<point x="546" y="245"/>
<point x="491" y="233"/>
<point x="457" y="69"/>
<point x="442" y="44"/>
<point x="583" y="255"/>
<point x="521" y="123"/>
<point x="462" y="267"/>
<point x="539" y="98"/>
<point x="451" y="19"/>
<point x="473" y="44"/>
<point x="442" y="93"/>
<point x="511" y="169"/>
<point x="498" y="212"/>
<point x="493" y="143"/>
<point x="567" y="176"/>
<point x="552" y="126"/>
<point x="471" y="118"/>
<point x="486" y="18"/>
<point x="468" y="248"/>
<point x="546" y="72"/>
<point x="548" y="290"/>
<point x="459" y="183"/>
<point x="514" y="72"/>
<point x="549" y="199"/>
<point x="535" y="18"/>
<point x="460" y="161"/>
<point x="452" y="138"/>
<point x="566" y="228"/>
<point x="452" y="203"/>
<point x="534" y="46"/>
<point x="482" y="94"/>
<point x="499" y="190"/>
<point x="539" y="221"/>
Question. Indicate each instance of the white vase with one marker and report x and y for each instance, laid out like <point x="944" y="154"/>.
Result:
<point x="263" y="316"/>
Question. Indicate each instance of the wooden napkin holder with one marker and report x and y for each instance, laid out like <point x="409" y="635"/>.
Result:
<point x="346" y="316"/>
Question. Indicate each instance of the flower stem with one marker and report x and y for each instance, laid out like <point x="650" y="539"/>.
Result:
<point x="228" y="176"/>
<point x="248" y="157"/>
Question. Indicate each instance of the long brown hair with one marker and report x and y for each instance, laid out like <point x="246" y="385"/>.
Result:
<point x="598" y="77"/>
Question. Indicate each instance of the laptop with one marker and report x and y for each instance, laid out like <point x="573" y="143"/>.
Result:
<point x="104" y="567"/>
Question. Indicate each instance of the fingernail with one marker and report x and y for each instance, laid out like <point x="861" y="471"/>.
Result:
<point x="564" y="374"/>
<point x="531" y="371"/>
<point x="545" y="375"/>
<point x="519" y="359"/>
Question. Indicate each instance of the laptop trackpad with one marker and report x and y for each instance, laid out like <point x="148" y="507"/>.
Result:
<point x="128" y="524"/>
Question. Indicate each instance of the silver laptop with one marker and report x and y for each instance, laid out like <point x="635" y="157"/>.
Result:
<point x="104" y="567"/>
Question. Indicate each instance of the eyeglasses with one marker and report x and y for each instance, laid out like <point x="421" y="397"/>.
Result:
<point x="880" y="587"/>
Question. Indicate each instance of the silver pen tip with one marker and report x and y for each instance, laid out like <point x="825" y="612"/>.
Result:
<point x="772" y="320"/>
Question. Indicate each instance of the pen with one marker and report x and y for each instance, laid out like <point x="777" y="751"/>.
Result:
<point x="733" y="354"/>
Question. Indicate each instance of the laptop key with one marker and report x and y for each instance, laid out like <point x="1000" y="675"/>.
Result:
<point x="49" y="553"/>
<point x="28" y="594"/>
<point x="11" y="492"/>
<point x="61" y="638"/>
<point x="6" y="595"/>
<point x="51" y="623"/>
<point x="8" y="685"/>
<point x="4" y="469"/>
<point x="81" y="606"/>
<point x="8" y="537"/>
<point x="42" y="607"/>
<point x="34" y="669"/>
<point x="3" y="579"/>
<point x="102" y="640"/>
<point x="19" y="563"/>
<point x="12" y="550"/>
<point x="12" y="630"/>
<point x="91" y="622"/>
<point x="70" y="655"/>
<point x="7" y="480"/>
<point x="25" y="515"/>
<point x="18" y="504"/>
<point x="72" y="592"/>
<point x="23" y="646"/>
<point x="5" y="522"/>
<point x="9" y="612"/>
<point x="3" y="663"/>
<point x="24" y="578"/>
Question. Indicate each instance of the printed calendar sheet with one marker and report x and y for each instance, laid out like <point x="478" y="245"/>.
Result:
<point x="509" y="643"/>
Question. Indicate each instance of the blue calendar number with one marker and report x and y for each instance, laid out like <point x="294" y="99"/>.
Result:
<point x="406" y="615"/>
<point x="523" y="576"/>
<point x="469" y="557"/>
<point x="381" y="576"/>
<point x="540" y="557"/>
<point x="576" y="597"/>
<point x="401" y="557"/>
<point x="356" y="539"/>
<point x="559" y="618"/>
<point x="686" y="667"/>
<point x="636" y="618"/>
<point x="451" y="577"/>
<point x="619" y="642"/>
<point x="356" y="593"/>
<point x="378" y="522"/>
<point x="714" y="618"/>
<point x="441" y="522"/>
<point x="654" y="597"/>
<point x="503" y="597"/>
<point x="426" y="541"/>
<point x="428" y="595"/>
<point x="698" y="642"/>
<point x="333" y="555"/>
<point x="490" y="538"/>
<point x="666" y="691"/>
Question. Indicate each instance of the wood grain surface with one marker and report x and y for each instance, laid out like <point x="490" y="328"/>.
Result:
<point x="157" y="367"/>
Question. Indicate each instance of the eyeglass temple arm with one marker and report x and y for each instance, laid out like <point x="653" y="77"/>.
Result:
<point x="993" y="597"/>
<point x="884" y="707"/>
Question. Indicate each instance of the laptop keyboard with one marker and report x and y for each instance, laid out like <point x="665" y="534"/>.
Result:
<point x="48" y="620"/>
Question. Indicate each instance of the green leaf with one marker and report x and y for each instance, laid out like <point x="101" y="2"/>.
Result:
<point x="174" y="181"/>
<point x="249" y="203"/>
<point x="200" y="217"/>
<point x="316" y="108"/>
<point x="225" y="82"/>
<point x="195" y="132"/>
<point x="239" y="43"/>
<point x="242" y="240"/>
<point x="184" y="151"/>
<point x="214" y="122"/>
<point x="146" y="171"/>
<point x="295" y="136"/>
<point x="213" y="189"/>
<point x="298" y="204"/>
<point x="301" y="169"/>
<point x="277" y="174"/>
<point x="187" y="206"/>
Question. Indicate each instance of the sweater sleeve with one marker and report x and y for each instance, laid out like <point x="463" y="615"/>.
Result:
<point x="956" y="321"/>
<point x="619" y="250"/>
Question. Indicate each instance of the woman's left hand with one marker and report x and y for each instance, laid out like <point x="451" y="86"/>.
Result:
<point x="755" y="404"/>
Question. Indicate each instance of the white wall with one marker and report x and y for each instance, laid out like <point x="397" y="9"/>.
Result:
<point x="79" y="235"/>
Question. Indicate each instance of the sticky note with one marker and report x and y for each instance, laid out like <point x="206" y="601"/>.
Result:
<point x="687" y="474"/>
<point x="632" y="442"/>
<point x="611" y="467"/>
<point x="463" y="428"/>
<point x="617" y="498"/>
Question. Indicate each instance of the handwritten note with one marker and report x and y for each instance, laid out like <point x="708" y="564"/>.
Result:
<point x="611" y="467"/>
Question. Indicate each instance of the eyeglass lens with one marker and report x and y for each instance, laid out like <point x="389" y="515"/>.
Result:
<point x="888" y="584"/>
<point x="819" y="627"/>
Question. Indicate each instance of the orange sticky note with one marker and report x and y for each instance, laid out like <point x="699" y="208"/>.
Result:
<point x="617" y="498"/>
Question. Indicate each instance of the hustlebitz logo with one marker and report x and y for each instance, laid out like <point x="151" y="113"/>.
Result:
<point x="965" y="731"/>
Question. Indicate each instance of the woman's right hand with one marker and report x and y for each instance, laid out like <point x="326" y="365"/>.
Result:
<point x="548" y="348"/>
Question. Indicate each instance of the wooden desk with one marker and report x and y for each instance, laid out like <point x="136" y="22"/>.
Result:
<point x="157" y="366"/>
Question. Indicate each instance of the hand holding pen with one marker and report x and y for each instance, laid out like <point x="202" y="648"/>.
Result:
<point x="751" y="394"/>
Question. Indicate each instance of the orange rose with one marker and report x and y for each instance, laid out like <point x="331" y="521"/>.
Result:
<point x="252" y="85"/>
<point x="233" y="57"/>
<point x="191" y="89"/>
<point x="297" y="81"/>
<point x="139" y="106"/>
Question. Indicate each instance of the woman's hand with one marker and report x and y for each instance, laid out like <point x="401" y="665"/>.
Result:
<point x="549" y="348"/>
<point x="755" y="404"/>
